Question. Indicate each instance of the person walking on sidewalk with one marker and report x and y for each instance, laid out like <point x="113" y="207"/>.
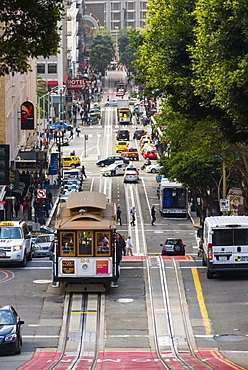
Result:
<point x="129" y="246"/>
<point x="153" y="214"/>
<point x="83" y="172"/>
<point x="133" y="212"/>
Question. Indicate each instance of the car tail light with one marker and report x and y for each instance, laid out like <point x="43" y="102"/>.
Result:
<point x="210" y="251"/>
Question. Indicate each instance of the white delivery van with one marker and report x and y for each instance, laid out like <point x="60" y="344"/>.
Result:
<point x="225" y="244"/>
<point x="15" y="243"/>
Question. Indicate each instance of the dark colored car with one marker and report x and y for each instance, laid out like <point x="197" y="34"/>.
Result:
<point x="138" y="134"/>
<point x="173" y="246"/>
<point x="10" y="331"/>
<point x="122" y="135"/>
<point x="111" y="159"/>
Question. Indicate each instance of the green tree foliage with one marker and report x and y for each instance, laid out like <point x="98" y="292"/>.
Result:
<point x="126" y="51"/>
<point x="195" y="52"/>
<point x="28" y="28"/>
<point x="220" y="61"/>
<point x="102" y="51"/>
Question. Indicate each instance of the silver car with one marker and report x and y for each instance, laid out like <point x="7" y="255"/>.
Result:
<point x="42" y="245"/>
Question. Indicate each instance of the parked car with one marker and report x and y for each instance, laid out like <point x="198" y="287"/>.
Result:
<point x="133" y="101"/>
<point x="10" y="331"/>
<point x="131" y="153"/>
<point x="42" y="245"/>
<point x="122" y="135"/>
<point x="114" y="169"/>
<point x="138" y="134"/>
<point x="121" y="146"/>
<point x="173" y="246"/>
<point x="111" y="103"/>
<point x="70" y="160"/>
<point x="154" y="168"/>
<point x="111" y="159"/>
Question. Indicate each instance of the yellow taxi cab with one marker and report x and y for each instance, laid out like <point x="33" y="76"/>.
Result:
<point x="121" y="146"/>
<point x="70" y="161"/>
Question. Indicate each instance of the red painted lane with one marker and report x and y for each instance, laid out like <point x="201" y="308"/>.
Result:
<point x="40" y="361"/>
<point x="8" y="275"/>
<point x="217" y="361"/>
<point x="131" y="360"/>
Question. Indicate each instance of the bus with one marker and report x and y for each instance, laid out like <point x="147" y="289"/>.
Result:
<point x="173" y="199"/>
<point x="86" y="249"/>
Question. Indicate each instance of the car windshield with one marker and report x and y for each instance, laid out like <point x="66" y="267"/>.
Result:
<point x="43" y="239"/>
<point x="172" y="242"/>
<point x="10" y="233"/>
<point x="6" y="318"/>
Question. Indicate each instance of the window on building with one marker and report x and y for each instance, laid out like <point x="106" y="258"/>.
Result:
<point x="115" y="6"/>
<point x="130" y="6"/>
<point x="52" y="68"/>
<point x="41" y="68"/>
<point x="130" y="15"/>
<point x="115" y="16"/>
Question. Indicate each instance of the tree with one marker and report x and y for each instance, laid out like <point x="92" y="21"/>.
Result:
<point x="102" y="51"/>
<point x="220" y="62"/>
<point x="126" y="50"/>
<point x="29" y="28"/>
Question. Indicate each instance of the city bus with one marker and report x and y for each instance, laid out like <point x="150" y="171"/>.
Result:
<point x="173" y="199"/>
<point x="86" y="250"/>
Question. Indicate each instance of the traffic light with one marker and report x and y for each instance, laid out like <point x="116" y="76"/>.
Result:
<point x="4" y="164"/>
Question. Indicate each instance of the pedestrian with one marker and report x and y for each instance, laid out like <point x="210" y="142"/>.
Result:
<point x="83" y="171"/>
<point x="17" y="207"/>
<point x="118" y="215"/>
<point x="123" y="246"/>
<point x="129" y="246"/>
<point x="78" y="131"/>
<point x="25" y="208"/>
<point x="153" y="214"/>
<point x="133" y="212"/>
<point x="52" y="250"/>
<point x="50" y="197"/>
<point x="71" y="134"/>
<point x="118" y="256"/>
<point x="47" y="207"/>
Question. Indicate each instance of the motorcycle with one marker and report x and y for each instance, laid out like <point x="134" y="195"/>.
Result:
<point x="147" y="163"/>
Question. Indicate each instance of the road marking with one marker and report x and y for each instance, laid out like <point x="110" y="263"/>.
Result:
<point x="201" y="302"/>
<point x="8" y="275"/>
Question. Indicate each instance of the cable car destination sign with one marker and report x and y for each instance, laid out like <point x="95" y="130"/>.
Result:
<point x="76" y="84"/>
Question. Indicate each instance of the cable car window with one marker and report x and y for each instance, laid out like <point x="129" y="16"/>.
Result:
<point x="67" y="244"/>
<point x="85" y="243"/>
<point x="103" y="243"/>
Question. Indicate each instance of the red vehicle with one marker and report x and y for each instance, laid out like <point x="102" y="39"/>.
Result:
<point x="150" y="154"/>
<point x="131" y="153"/>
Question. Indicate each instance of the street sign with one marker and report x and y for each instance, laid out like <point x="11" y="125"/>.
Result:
<point x="41" y="193"/>
<point x="76" y="84"/>
<point x="224" y="205"/>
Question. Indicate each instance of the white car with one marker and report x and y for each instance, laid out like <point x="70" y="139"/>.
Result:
<point x="153" y="168"/>
<point x="114" y="169"/>
<point x="111" y="103"/>
<point x="131" y="175"/>
<point x="42" y="245"/>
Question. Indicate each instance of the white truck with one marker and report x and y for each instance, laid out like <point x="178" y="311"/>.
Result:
<point x="225" y="244"/>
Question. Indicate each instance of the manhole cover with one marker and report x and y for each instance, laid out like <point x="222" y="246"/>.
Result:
<point x="42" y="281"/>
<point x="230" y="338"/>
<point x="125" y="300"/>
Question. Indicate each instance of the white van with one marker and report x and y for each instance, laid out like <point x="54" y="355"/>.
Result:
<point x="15" y="243"/>
<point x="225" y="244"/>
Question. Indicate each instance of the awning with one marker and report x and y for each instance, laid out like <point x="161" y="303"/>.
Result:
<point x="52" y="83"/>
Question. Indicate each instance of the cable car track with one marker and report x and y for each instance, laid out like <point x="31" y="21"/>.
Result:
<point x="174" y="344"/>
<point x="74" y="342"/>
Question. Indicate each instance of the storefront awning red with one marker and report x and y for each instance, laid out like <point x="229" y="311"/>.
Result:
<point x="52" y="83"/>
